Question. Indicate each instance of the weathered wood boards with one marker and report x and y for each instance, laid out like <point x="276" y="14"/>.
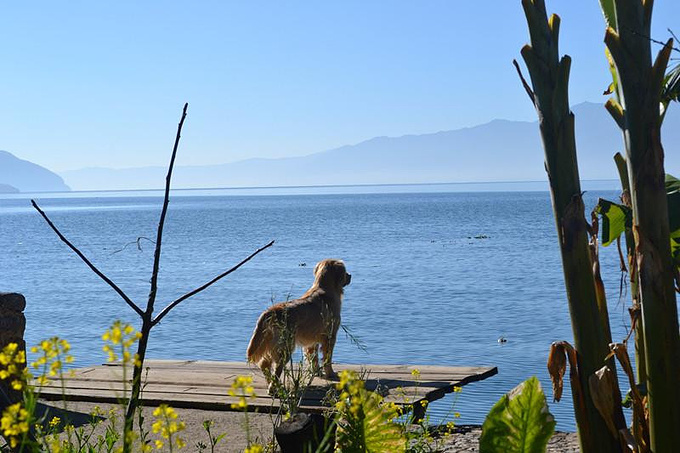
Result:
<point x="203" y="384"/>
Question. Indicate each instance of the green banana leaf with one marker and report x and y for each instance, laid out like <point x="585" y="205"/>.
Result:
<point x="609" y="11"/>
<point x="673" y="194"/>
<point x="616" y="218"/>
<point x="519" y="422"/>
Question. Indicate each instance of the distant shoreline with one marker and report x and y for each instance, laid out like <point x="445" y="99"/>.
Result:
<point x="468" y="186"/>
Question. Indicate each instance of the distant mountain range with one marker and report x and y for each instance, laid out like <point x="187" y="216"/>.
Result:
<point x="17" y="175"/>
<point x="500" y="150"/>
<point x="496" y="151"/>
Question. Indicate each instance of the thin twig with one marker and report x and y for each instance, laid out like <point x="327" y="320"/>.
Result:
<point x="161" y="222"/>
<point x="656" y="41"/>
<point x="526" y="86"/>
<point x="87" y="261"/>
<point x="167" y="309"/>
<point x="138" y="242"/>
<point x="672" y="34"/>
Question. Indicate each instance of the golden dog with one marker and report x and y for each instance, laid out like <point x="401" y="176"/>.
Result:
<point x="309" y="321"/>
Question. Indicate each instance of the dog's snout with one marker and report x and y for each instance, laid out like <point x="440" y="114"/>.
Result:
<point x="349" y="279"/>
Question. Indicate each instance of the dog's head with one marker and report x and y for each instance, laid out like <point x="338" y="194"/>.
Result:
<point x="330" y="274"/>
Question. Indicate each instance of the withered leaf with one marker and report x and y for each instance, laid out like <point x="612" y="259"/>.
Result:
<point x="602" y="388"/>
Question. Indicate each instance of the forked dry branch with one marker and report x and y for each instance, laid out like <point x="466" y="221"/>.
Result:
<point x="148" y="320"/>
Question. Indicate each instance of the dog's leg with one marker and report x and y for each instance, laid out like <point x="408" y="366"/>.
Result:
<point x="312" y="353"/>
<point x="276" y="377"/>
<point x="266" y="367"/>
<point x="327" y="346"/>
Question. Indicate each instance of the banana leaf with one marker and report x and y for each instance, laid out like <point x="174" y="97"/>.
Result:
<point x="519" y="422"/>
<point x="616" y="218"/>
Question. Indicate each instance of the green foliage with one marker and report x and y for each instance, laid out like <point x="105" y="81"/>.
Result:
<point x="616" y="218"/>
<point x="364" y="422"/>
<point x="519" y="422"/>
<point x="609" y="11"/>
<point x="671" y="88"/>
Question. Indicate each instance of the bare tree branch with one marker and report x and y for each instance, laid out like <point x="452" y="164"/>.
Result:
<point x="167" y="309"/>
<point x="161" y="222"/>
<point x="87" y="261"/>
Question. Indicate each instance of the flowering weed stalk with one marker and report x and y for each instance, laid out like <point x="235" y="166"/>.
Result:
<point x="53" y="353"/>
<point x="242" y="388"/>
<point x="169" y="427"/>
<point x="118" y="340"/>
<point x="420" y="435"/>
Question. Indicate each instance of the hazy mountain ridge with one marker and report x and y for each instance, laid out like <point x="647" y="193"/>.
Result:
<point x="18" y="175"/>
<point x="6" y="188"/>
<point x="501" y="150"/>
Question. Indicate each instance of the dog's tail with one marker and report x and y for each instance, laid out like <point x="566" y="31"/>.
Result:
<point x="261" y="338"/>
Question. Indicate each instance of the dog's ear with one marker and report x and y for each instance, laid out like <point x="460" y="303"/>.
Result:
<point x="317" y="268"/>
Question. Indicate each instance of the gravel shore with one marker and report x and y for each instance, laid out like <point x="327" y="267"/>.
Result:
<point x="464" y="439"/>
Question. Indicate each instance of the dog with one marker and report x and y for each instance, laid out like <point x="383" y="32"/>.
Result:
<point x="309" y="321"/>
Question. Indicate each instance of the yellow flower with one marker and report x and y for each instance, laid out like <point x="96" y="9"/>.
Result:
<point x="14" y="423"/>
<point x="243" y="389"/>
<point x="54" y="422"/>
<point x="53" y="353"/>
<point x="457" y="389"/>
<point x="167" y="426"/>
<point x="119" y="339"/>
<point x="12" y="366"/>
<point x="255" y="448"/>
<point x="415" y="373"/>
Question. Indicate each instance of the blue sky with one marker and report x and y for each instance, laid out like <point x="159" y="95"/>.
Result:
<point x="102" y="83"/>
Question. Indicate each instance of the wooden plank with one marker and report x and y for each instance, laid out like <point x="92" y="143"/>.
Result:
<point x="204" y="384"/>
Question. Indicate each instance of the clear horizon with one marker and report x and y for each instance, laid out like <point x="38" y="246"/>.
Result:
<point x="102" y="85"/>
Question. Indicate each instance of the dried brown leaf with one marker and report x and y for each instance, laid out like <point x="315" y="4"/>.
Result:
<point x="557" y="366"/>
<point x="640" y="414"/>
<point x="602" y="390"/>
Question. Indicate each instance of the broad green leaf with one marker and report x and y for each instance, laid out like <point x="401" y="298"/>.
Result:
<point x="609" y="11"/>
<point x="670" y="90"/>
<point x="615" y="219"/>
<point x="365" y="423"/>
<point x="519" y="422"/>
<point x="671" y="85"/>
<point x="673" y="197"/>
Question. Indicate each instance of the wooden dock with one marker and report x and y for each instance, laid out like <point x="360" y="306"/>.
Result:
<point x="204" y="384"/>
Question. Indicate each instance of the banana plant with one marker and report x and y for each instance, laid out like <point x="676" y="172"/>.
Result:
<point x="587" y="304"/>
<point x="642" y="90"/>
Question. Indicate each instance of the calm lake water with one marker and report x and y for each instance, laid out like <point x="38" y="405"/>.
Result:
<point x="437" y="276"/>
